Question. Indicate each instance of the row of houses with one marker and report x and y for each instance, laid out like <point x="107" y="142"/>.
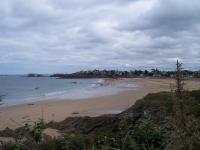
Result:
<point x="127" y="74"/>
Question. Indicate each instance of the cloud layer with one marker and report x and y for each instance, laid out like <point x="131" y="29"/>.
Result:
<point x="65" y="36"/>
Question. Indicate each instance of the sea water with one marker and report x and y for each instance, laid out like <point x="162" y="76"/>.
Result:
<point x="20" y="89"/>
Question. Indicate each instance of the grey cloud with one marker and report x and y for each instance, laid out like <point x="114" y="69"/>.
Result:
<point x="99" y="33"/>
<point x="166" y="17"/>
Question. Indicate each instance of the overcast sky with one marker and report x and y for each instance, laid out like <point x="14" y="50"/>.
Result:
<point x="48" y="36"/>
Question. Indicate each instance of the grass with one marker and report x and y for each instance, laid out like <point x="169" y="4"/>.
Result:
<point x="151" y="124"/>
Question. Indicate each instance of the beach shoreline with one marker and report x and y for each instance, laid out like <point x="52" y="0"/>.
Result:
<point x="77" y="89"/>
<point x="57" y="110"/>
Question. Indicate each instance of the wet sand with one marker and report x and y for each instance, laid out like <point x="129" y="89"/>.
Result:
<point x="16" y="116"/>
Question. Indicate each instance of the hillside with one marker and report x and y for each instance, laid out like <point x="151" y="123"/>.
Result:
<point x="152" y="123"/>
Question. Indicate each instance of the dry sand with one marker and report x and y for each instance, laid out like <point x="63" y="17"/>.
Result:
<point x="16" y="116"/>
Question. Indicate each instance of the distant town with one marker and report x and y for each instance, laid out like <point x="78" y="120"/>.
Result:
<point x="122" y="74"/>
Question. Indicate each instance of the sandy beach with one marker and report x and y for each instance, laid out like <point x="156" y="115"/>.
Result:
<point x="16" y="116"/>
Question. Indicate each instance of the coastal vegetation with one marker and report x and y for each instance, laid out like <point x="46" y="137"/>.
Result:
<point x="188" y="74"/>
<point x="159" y="121"/>
<point x="154" y="122"/>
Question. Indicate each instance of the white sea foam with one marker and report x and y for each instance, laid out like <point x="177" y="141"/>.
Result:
<point x="23" y="90"/>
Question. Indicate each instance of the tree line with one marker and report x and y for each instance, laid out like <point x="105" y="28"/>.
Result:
<point x="128" y="74"/>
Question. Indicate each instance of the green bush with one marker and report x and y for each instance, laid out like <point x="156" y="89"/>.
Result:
<point x="35" y="131"/>
<point x="151" y="124"/>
